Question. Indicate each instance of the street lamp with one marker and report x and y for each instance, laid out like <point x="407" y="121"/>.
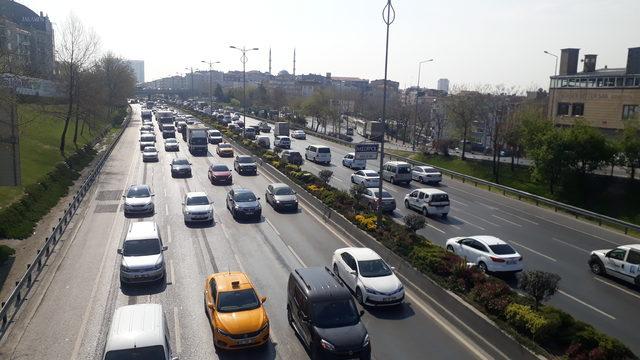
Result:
<point x="191" y="70"/>
<point x="244" y="60"/>
<point x="388" y="16"/>
<point x="415" y="121"/>
<point x="210" y="83"/>
<point x="555" y="73"/>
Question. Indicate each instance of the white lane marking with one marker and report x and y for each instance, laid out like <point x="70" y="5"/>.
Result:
<point x="533" y="251"/>
<point x="435" y="228"/>
<point x="392" y="190"/>
<point x="587" y="305"/>
<point x="165" y="192"/>
<point x="176" y="324"/>
<point x="509" y="221"/>
<point x="224" y="231"/>
<point x="483" y="204"/>
<point x="296" y="255"/>
<point x="478" y="217"/>
<point x="273" y="227"/>
<point x="335" y="178"/>
<point x="173" y="273"/>
<point x="618" y="287"/>
<point x="571" y="245"/>
<point x="239" y="263"/>
<point x="470" y="223"/>
<point x="166" y="209"/>
<point x="519" y="217"/>
<point x="582" y="232"/>
<point x="169" y="234"/>
<point x="459" y="202"/>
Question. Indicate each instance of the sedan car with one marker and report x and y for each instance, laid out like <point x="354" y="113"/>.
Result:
<point x="171" y="144"/>
<point x="197" y="207"/>
<point x="369" y="277"/>
<point x="245" y="164"/>
<point x="281" y="197"/>
<point x="426" y="174"/>
<point x="180" y="167"/>
<point x="244" y="203"/>
<point x="371" y="196"/>
<point x="146" y="128"/>
<point x="299" y="134"/>
<point x="147" y="139"/>
<point x="368" y="178"/>
<point x="236" y="313"/>
<point x="149" y="153"/>
<point x="138" y="200"/>
<point x="489" y="253"/>
<point x="220" y="174"/>
<point x="224" y="150"/>
<point x="214" y="136"/>
<point x="622" y="262"/>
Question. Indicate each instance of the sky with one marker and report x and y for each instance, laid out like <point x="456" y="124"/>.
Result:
<point x="472" y="42"/>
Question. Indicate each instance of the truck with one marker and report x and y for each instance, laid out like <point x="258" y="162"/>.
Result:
<point x="373" y="130"/>
<point x="165" y="117"/>
<point x="146" y="114"/>
<point x="281" y="129"/>
<point x="197" y="139"/>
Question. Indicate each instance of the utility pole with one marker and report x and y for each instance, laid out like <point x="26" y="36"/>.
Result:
<point x="210" y="83"/>
<point x="191" y="70"/>
<point x="415" y="121"/>
<point x="244" y="60"/>
<point x="269" y="61"/>
<point x="294" y="61"/>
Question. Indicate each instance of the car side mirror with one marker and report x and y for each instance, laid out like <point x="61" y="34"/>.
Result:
<point x="211" y="307"/>
<point x="303" y="316"/>
<point x="294" y="192"/>
<point x="608" y="254"/>
<point x="263" y="299"/>
<point x="124" y="196"/>
<point x="182" y="204"/>
<point x="361" y="313"/>
<point x="393" y="268"/>
<point x="353" y="272"/>
<point x="119" y="251"/>
<point x="165" y="248"/>
<point x="258" y="198"/>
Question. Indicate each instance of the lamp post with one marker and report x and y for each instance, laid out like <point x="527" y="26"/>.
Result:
<point x="388" y="16"/>
<point x="555" y="73"/>
<point x="191" y="70"/>
<point x="210" y="83"/>
<point x="244" y="60"/>
<point x="415" y="121"/>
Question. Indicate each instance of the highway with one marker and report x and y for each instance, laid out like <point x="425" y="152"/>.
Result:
<point x="68" y="312"/>
<point x="548" y="241"/>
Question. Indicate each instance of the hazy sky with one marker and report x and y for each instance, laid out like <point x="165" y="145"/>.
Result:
<point x="472" y="41"/>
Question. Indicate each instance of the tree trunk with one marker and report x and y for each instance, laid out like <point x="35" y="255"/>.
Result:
<point x="69" y="111"/>
<point x="464" y="142"/>
<point x="77" y="114"/>
<point x="633" y="172"/>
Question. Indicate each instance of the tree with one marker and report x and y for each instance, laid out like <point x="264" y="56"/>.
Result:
<point x="77" y="46"/>
<point x="219" y="94"/>
<point x="325" y="175"/>
<point x="357" y="191"/>
<point x="414" y="222"/>
<point x="540" y="285"/>
<point x="589" y="148"/>
<point x="630" y="145"/>
<point x="462" y="108"/>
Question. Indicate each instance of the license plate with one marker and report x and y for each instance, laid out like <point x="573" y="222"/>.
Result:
<point x="511" y="262"/>
<point x="387" y="299"/>
<point x="245" y="341"/>
<point x="249" y="212"/>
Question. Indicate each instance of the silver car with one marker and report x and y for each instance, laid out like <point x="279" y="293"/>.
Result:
<point x="142" y="258"/>
<point x="371" y="196"/>
<point x="281" y="197"/>
<point x="171" y="144"/>
<point x="138" y="200"/>
<point x="197" y="208"/>
<point x="149" y="154"/>
<point x="426" y="174"/>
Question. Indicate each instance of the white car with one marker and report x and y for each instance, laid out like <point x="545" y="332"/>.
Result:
<point x="428" y="201"/>
<point x="622" y="262"/>
<point x="138" y="200"/>
<point x="197" y="207"/>
<point x="171" y="144"/>
<point x="214" y="136"/>
<point x="368" y="178"/>
<point x="282" y="142"/>
<point x="426" y="174"/>
<point x="149" y="153"/>
<point x="368" y="276"/>
<point x="299" y="134"/>
<point x="489" y="253"/>
<point x="351" y="162"/>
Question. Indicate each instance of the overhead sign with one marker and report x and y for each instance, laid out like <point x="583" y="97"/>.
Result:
<point x="366" y="151"/>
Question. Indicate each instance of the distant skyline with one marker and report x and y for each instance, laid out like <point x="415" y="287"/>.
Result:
<point x="472" y="42"/>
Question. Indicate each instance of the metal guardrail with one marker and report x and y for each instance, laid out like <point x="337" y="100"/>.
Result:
<point x="35" y="267"/>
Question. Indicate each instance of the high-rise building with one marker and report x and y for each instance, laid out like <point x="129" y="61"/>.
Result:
<point x="137" y="66"/>
<point x="443" y="85"/>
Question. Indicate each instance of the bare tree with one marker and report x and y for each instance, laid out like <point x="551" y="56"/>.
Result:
<point x="76" y="48"/>
<point x="462" y="109"/>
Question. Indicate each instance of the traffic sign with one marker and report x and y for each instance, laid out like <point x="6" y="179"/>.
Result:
<point x="366" y="151"/>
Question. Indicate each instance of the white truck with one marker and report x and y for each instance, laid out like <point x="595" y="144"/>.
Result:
<point x="281" y="129"/>
<point x="197" y="139"/>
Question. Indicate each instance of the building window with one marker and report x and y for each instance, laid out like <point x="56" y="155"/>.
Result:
<point x="600" y="82"/>
<point x="628" y="81"/>
<point x="637" y="82"/>
<point x="577" y="109"/>
<point x="619" y="81"/>
<point x="629" y="111"/>
<point x="563" y="109"/>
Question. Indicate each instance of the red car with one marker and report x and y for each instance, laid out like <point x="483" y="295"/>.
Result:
<point x="220" y="174"/>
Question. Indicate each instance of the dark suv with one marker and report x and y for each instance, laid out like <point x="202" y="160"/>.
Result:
<point x="323" y="314"/>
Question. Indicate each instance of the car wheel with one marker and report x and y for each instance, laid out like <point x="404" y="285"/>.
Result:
<point x="421" y="179"/>
<point x="406" y="204"/>
<point x="450" y="249"/>
<point x="335" y="270"/>
<point x="425" y="211"/>
<point x="637" y="282"/>
<point x="483" y="267"/>
<point x="444" y="216"/>
<point x="359" y="297"/>
<point x="598" y="268"/>
<point x="352" y="180"/>
<point x="393" y="180"/>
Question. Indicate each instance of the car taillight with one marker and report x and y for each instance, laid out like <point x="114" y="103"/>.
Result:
<point x="498" y="260"/>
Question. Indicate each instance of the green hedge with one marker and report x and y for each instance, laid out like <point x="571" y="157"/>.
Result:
<point x="5" y="253"/>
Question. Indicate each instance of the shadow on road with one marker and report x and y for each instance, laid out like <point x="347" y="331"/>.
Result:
<point x="267" y="351"/>
<point x="5" y="268"/>
<point x="144" y="288"/>
<point x="399" y="312"/>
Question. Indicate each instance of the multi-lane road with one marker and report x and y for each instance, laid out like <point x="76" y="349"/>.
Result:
<point x="548" y="241"/>
<point x="67" y="313"/>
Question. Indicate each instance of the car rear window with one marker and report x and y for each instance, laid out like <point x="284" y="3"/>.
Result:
<point x="502" y="249"/>
<point x="404" y="169"/>
<point x="324" y="150"/>
<point x="440" y="197"/>
<point x="138" y="353"/>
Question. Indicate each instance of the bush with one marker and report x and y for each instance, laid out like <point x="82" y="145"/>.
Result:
<point x="494" y="294"/>
<point x="5" y="253"/>
<point x="540" y="285"/>
<point x="531" y="322"/>
<point x="590" y="344"/>
<point x="414" y="222"/>
<point x="325" y="175"/>
<point x="289" y="168"/>
<point x="366" y="222"/>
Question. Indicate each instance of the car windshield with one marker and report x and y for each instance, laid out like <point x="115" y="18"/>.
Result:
<point x="214" y="133"/>
<point x="238" y="300"/>
<point x="324" y="150"/>
<point x="219" y="168"/>
<point x="385" y="194"/>
<point x="244" y="197"/>
<point x="370" y="173"/>
<point x="171" y="141"/>
<point x="138" y="192"/>
<point x="149" y="149"/>
<point x="137" y="353"/>
<point x="373" y="268"/>
<point x="143" y="247"/>
<point x="333" y="314"/>
<point x="224" y="146"/>
<point x="245" y="159"/>
<point x="197" y="200"/>
<point x="502" y="249"/>
<point x="147" y="138"/>
<point x="283" y="191"/>
<point x="404" y="169"/>
<point x="180" y="162"/>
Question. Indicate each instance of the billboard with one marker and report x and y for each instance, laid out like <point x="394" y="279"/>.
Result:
<point x="366" y="151"/>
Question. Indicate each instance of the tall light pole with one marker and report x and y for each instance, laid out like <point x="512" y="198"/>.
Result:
<point x="210" y="83"/>
<point x="244" y="60"/>
<point x="388" y="16"/>
<point x="555" y="73"/>
<point x="415" y="121"/>
<point x="191" y="70"/>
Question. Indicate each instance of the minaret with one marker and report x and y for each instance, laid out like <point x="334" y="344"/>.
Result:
<point x="269" y="61"/>
<point x="294" y="61"/>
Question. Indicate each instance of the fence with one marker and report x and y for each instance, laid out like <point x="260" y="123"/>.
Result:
<point x="42" y="255"/>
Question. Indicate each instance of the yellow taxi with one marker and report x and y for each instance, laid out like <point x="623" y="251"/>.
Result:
<point x="236" y="313"/>
<point x="224" y="150"/>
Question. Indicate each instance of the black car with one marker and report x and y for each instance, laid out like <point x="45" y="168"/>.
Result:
<point x="292" y="157"/>
<point x="323" y="314"/>
<point x="244" y="164"/>
<point x="244" y="203"/>
<point x="180" y="167"/>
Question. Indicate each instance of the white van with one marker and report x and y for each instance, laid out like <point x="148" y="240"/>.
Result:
<point x="138" y="332"/>
<point x="396" y="172"/>
<point x="428" y="201"/>
<point x="263" y="141"/>
<point x="318" y="153"/>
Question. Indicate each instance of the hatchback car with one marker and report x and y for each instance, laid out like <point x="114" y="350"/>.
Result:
<point x="146" y="128"/>
<point x="368" y="276"/>
<point x="428" y="201"/>
<point x="224" y="150"/>
<point x="235" y="311"/>
<point x="622" y="262"/>
<point x="245" y="164"/>
<point x="138" y="200"/>
<point x="149" y="153"/>
<point x="142" y="259"/>
<point x="291" y="157"/>
<point x="197" y="208"/>
<point x="426" y="174"/>
<point x="281" y="197"/>
<point x="180" y="167"/>
<point x="171" y="144"/>
<point x="220" y="174"/>
<point x="350" y="161"/>
<point x="244" y="203"/>
<point x="368" y="178"/>
<point x="489" y="253"/>
<point x="371" y="196"/>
